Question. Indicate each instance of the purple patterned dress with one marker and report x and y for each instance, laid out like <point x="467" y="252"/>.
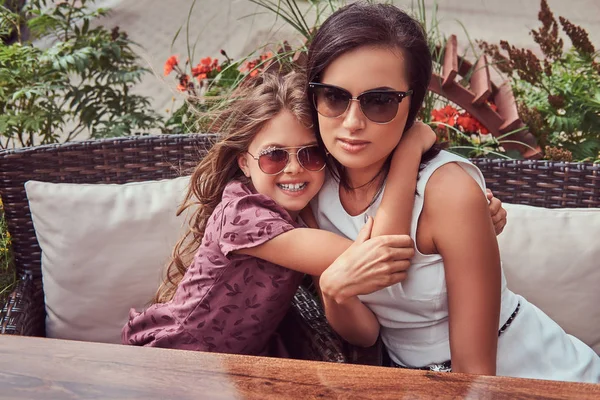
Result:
<point x="226" y="302"/>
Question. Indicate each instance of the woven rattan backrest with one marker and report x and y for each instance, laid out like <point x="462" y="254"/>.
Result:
<point x="121" y="160"/>
<point x="543" y="183"/>
<point x="538" y="183"/>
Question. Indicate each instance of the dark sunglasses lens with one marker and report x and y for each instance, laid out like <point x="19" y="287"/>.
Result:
<point x="311" y="158"/>
<point x="273" y="162"/>
<point x="329" y="101"/>
<point x="379" y="107"/>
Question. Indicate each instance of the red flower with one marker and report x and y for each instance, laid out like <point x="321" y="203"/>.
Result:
<point x="266" y="56"/>
<point x="446" y="115"/>
<point x="184" y="82"/>
<point x="170" y="64"/>
<point x="467" y="123"/>
<point x="248" y="66"/>
<point x="206" y="66"/>
<point x="463" y="120"/>
<point x="253" y="66"/>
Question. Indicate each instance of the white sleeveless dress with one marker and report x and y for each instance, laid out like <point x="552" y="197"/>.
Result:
<point x="414" y="314"/>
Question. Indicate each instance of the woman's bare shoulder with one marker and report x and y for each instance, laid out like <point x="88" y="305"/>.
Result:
<point x="456" y="210"/>
<point x="450" y="188"/>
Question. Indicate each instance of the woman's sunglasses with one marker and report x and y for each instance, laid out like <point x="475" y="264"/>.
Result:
<point x="379" y="106"/>
<point x="273" y="160"/>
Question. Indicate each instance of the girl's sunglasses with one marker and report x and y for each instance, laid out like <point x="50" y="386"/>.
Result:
<point x="379" y="106"/>
<point x="273" y="160"/>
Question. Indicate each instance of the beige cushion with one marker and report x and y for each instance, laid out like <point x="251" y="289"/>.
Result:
<point x="552" y="258"/>
<point x="104" y="248"/>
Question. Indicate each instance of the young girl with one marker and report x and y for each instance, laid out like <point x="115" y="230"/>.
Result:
<point x="248" y="192"/>
<point x="454" y="310"/>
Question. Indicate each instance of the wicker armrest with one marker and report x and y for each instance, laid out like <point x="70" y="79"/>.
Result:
<point x="375" y="355"/>
<point x="19" y="315"/>
<point x="308" y="335"/>
<point x="306" y="332"/>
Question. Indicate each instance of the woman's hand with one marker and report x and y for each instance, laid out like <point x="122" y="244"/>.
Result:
<point x="368" y="265"/>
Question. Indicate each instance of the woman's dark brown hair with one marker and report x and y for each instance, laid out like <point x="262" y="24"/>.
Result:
<point x="384" y="25"/>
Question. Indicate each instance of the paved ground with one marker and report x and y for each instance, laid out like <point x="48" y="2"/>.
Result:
<point x="238" y="26"/>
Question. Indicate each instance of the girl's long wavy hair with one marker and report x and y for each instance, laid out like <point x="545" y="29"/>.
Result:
<point x="251" y="107"/>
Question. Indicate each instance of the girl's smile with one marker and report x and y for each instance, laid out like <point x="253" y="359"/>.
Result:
<point x="290" y="184"/>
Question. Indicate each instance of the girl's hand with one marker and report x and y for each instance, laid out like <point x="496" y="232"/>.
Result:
<point x="419" y="138"/>
<point x="368" y="265"/>
<point x="497" y="213"/>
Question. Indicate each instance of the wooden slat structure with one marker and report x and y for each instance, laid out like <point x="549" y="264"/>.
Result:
<point x="475" y="98"/>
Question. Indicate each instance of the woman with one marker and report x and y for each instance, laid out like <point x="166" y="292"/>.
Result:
<point x="368" y="70"/>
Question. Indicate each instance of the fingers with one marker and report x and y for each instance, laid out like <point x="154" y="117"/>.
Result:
<point x="396" y="271"/>
<point x="499" y="221"/>
<point x="365" y="232"/>
<point x="400" y="254"/>
<point x="499" y="228"/>
<point x="398" y="266"/>
<point x="498" y="215"/>
<point x="398" y="241"/>
<point x="396" y="278"/>
<point x="495" y="206"/>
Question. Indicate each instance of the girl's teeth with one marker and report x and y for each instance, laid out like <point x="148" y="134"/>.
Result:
<point x="294" y="187"/>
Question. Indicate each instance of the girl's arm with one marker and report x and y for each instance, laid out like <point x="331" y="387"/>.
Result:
<point x="358" y="267"/>
<point x="395" y="212"/>
<point x="312" y="251"/>
<point x="369" y="265"/>
<point x="463" y="234"/>
<point x="351" y="318"/>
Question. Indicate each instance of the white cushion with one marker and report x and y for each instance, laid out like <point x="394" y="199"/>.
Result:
<point x="104" y="249"/>
<point x="552" y="258"/>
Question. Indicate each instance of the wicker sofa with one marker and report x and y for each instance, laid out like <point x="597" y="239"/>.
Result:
<point x="142" y="158"/>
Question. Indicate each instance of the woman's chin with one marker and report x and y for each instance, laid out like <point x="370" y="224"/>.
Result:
<point x="358" y="162"/>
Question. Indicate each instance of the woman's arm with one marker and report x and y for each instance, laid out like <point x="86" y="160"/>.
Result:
<point x="351" y="318"/>
<point x="348" y="316"/>
<point x="457" y="215"/>
<point x="369" y="265"/>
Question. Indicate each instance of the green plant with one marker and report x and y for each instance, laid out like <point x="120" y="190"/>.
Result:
<point x="80" y="81"/>
<point x="559" y="95"/>
<point x="208" y="84"/>
<point x="7" y="271"/>
<point x="460" y="132"/>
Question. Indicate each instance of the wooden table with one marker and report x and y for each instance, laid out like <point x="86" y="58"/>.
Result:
<point x="58" y="369"/>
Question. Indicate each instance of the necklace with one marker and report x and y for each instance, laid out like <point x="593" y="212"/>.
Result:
<point x="365" y="184"/>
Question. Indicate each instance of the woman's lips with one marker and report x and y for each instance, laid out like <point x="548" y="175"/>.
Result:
<point x="352" y="146"/>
